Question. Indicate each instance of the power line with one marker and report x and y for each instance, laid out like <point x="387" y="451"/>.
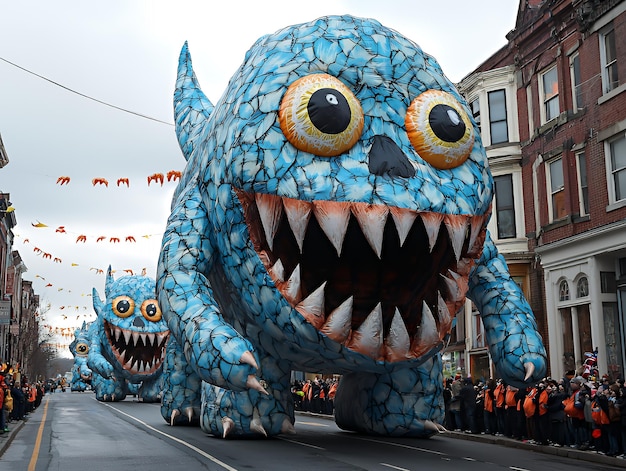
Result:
<point x="83" y="95"/>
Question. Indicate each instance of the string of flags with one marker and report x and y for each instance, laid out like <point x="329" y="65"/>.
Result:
<point x="171" y="176"/>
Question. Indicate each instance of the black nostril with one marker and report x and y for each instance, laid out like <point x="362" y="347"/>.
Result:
<point x="138" y="322"/>
<point x="386" y="158"/>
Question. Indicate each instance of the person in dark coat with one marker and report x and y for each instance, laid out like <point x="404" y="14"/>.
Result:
<point x="468" y="405"/>
<point x="19" y="402"/>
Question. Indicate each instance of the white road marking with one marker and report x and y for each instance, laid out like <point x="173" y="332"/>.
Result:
<point x="394" y="467"/>
<point x="301" y="443"/>
<point x="315" y="424"/>
<point x="518" y="469"/>
<point x="178" y="440"/>
<point x="399" y="445"/>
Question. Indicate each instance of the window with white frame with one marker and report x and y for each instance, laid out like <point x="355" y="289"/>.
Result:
<point x="549" y="91"/>
<point x="608" y="59"/>
<point x="583" y="189"/>
<point x="475" y="107"/>
<point x="574" y="74"/>
<point x="617" y="167"/>
<point x="556" y="186"/>
<point x="498" y="127"/>
<point x="505" y="206"/>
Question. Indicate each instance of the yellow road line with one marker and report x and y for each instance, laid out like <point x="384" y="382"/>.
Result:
<point x="33" y="459"/>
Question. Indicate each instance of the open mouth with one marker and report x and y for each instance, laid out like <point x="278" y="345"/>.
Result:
<point x="139" y="353"/>
<point x="383" y="281"/>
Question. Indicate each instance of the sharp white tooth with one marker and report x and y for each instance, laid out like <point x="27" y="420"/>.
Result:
<point x="128" y="365"/>
<point x="149" y="339"/>
<point x="477" y="234"/>
<point x="135" y="338"/>
<point x="291" y="288"/>
<point x="270" y="210"/>
<point x="453" y="289"/>
<point x="445" y="319"/>
<point x="372" y="219"/>
<point x="162" y="337"/>
<point x="339" y="322"/>
<point x="368" y="338"/>
<point x="427" y="335"/>
<point x="126" y="336"/>
<point x="432" y="224"/>
<point x="404" y="219"/>
<point x="333" y="218"/>
<point x="312" y="308"/>
<point x="462" y="282"/>
<point x="298" y="214"/>
<point x="457" y="229"/>
<point x="117" y="334"/>
<point x="277" y="272"/>
<point x="398" y="341"/>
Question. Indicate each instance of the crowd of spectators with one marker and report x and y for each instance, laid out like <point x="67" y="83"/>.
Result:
<point x="585" y="413"/>
<point x="317" y="395"/>
<point x="19" y="398"/>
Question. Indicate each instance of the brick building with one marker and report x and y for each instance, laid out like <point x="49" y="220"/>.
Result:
<point x="554" y="98"/>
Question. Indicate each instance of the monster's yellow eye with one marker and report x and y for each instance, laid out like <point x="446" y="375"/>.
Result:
<point x="151" y="310"/>
<point x="82" y="349"/>
<point x="123" y="306"/>
<point x="439" y="129"/>
<point x="320" y="115"/>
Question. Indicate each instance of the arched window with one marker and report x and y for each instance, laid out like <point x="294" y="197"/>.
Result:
<point x="563" y="291"/>
<point x="582" y="287"/>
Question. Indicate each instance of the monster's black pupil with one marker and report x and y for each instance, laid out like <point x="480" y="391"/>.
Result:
<point x="151" y="310"/>
<point x="446" y="123"/>
<point x="329" y="111"/>
<point x="123" y="306"/>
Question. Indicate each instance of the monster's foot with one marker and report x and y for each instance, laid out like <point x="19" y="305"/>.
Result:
<point x="243" y="414"/>
<point x="180" y="388"/>
<point x="405" y="402"/>
<point x="109" y="390"/>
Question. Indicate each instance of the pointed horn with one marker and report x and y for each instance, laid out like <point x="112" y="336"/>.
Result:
<point x="191" y="106"/>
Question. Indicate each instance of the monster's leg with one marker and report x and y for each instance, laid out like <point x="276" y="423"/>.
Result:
<point x="108" y="390"/>
<point x="150" y="390"/>
<point x="405" y="402"/>
<point x="180" y="384"/>
<point x="250" y="413"/>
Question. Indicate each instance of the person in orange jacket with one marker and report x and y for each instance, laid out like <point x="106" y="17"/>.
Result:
<point x="542" y="418"/>
<point x="499" y="394"/>
<point x="489" y="407"/>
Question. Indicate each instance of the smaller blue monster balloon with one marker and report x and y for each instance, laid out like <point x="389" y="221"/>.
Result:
<point x="81" y="374"/>
<point x="127" y="340"/>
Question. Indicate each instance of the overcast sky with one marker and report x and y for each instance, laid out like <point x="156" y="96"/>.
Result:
<point x="124" y="53"/>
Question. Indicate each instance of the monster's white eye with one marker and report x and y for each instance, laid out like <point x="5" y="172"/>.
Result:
<point x="439" y="129"/>
<point x="151" y="310"/>
<point x="123" y="306"/>
<point x="320" y="115"/>
<point x="82" y="349"/>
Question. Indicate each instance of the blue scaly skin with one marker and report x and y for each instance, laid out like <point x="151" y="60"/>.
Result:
<point x="128" y="340"/>
<point x="81" y="374"/>
<point x="331" y="218"/>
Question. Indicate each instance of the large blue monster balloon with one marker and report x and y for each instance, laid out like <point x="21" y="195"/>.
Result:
<point x="331" y="218"/>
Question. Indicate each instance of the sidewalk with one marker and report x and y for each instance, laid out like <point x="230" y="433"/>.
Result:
<point x="589" y="456"/>
<point x="7" y="438"/>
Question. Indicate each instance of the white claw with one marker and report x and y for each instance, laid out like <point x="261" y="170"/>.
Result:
<point x="253" y="383"/>
<point x="228" y="424"/>
<point x="189" y="413"/>
<point x="288" y="427"/>
<point x="248" y="358"/>
<point x="530" y="369"/>
<point x="430" y="425"/>
<point x="175" y="413"/>
<point x="255" y="424"/>
<point x="441" y="428"/>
